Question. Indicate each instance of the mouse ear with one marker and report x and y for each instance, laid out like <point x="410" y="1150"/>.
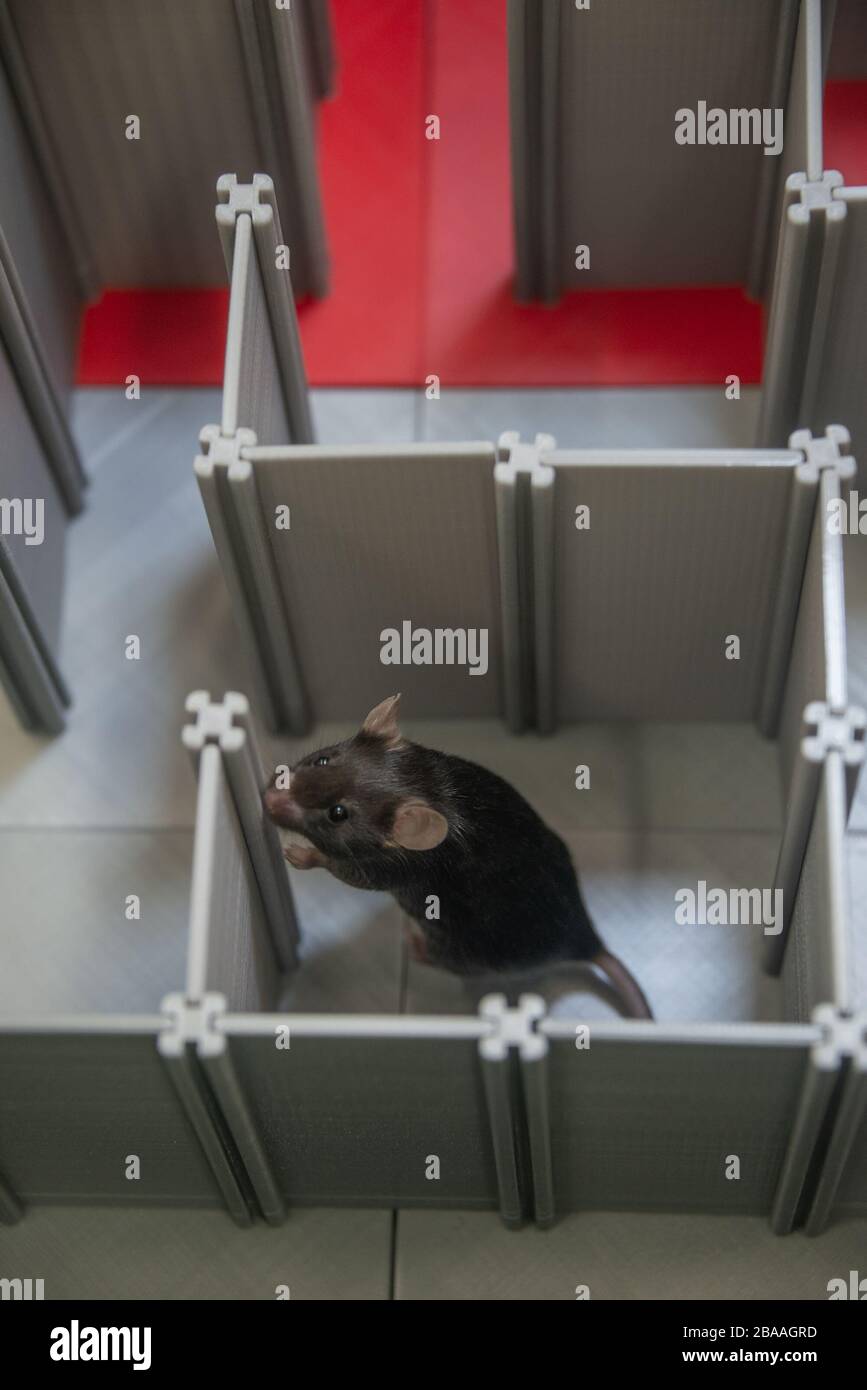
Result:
<point x="382" y="722"/>
<point x="417" y="826"/>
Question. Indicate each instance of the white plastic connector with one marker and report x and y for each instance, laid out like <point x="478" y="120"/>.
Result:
<point x="513" y="1027"/>
<point x="191" y="1022"/>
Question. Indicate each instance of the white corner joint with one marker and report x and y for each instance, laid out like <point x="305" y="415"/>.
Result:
<point x="513" y="1027"/>
<point x="191" y="1023"/>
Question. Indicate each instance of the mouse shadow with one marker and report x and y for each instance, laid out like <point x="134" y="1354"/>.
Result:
<point x="346" y="965"/>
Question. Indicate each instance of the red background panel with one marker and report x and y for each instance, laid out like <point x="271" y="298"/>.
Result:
<point x="845" y="143"/>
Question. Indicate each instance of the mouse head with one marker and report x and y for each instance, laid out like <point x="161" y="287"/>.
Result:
<point x="361" y="797"/>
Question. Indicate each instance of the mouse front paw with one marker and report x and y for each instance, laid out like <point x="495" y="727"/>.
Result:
<point x="304" y="857"/>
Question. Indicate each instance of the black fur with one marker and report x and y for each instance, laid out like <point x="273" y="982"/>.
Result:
<point x="508" y="892"/>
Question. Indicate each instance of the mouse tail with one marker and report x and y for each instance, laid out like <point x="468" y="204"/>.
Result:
<point x="624" y="984"/>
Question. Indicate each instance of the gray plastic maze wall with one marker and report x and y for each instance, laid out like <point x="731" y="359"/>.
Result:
<point x="593" y="97"/>
<point x="219" y="83"/>
<point x="36" y="509"/>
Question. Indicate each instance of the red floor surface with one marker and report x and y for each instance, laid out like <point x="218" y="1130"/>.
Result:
<point x="166" y="337"/>
<point x="845" y="146"/>
<point x="420" y="240"/>
<point x="372" y="149"/>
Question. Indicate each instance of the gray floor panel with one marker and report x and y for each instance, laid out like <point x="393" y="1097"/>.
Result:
<point x="649" y="417"/>
<point x="362" y="417"/>
<point x="104" y="421"/>
<point x="141" y="562"/>
<point x="137" y="1254"/>
<point x="351" y="949"/>
<point x="65" y="941"/>
<point x="470" y="1255"/>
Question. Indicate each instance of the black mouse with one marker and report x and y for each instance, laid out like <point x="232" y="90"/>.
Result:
<point x="490" y="886"/>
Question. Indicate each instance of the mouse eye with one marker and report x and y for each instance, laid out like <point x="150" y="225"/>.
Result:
<point x="338" y="813"/>
<point x="320" y="762"/>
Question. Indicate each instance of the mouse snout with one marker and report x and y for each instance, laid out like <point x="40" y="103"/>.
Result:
<point x="281" y="806"/>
